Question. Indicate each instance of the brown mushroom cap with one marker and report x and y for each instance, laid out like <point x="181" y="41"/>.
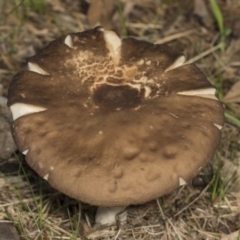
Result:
<point x="116" y="122"/>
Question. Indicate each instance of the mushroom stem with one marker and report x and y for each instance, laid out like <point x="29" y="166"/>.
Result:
<point x="110" y="215"/>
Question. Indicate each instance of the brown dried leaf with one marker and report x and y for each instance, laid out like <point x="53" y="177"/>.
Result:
<point x="231" y="173"/>
<point x="201" y="10"/>
<point x="233" y="95"/>
<point x="100" y="13"/>
<point x="231" y="236"/>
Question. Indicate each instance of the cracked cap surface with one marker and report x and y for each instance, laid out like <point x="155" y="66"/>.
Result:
<point x="114" y="122"/>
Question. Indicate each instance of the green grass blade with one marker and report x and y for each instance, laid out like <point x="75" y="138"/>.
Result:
<point x="124" y="27"/>
<point x="218" y="15"/>
<point x="232" y="119"/>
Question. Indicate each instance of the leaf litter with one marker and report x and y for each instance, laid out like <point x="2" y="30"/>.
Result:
<point x="210" y="211"/>
<point x="233" y="95"/>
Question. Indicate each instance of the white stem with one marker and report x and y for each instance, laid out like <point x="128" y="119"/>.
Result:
<point x="107" y="215"/>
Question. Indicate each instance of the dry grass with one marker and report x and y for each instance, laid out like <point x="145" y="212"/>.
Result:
<point x="211" y="212"/>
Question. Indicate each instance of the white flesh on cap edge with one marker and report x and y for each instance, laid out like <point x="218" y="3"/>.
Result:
<point x="68" y="41"/>
<point x="35" y="68"/>
<point x="182" y="181"/>
<point x="113" y="43"/>
<point x="21" y="109"/>
<point x="205" y="93"/>
<point x="218" y="126"/>
<point x="46" y="177"/>
<point x="107" y="215"/>
<point x="178" y="62"/>
<point x="25" y="152"/>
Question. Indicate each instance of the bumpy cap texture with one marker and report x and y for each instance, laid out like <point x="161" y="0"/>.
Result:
<point x="114" y="122"/>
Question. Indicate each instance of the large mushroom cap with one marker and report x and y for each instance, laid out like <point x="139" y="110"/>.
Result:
<point x="114" y="122"/>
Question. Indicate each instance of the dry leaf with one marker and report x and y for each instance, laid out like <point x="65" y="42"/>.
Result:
<point x="200" y="10"/>
<point x="100" y="13"/>
<point x="231" y="172"/>
<point x="233" y="95"/>
<point x="232" y="236"/>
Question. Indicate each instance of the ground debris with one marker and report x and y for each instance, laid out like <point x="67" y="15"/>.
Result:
<point x="233" y="95"/>
<point x="8" y="232"/>
<point x="7" y="144"/>
<point x="39" y="211"/>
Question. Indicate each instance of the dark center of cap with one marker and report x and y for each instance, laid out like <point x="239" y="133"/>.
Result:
<point x="115" y="97"/>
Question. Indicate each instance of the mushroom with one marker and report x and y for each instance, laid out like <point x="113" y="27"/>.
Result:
<point x="111" y="121"/>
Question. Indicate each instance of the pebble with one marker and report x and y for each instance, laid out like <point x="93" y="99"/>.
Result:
<point x="203" y="178"/>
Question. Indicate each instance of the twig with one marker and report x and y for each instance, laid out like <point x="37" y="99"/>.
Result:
<point x="143" y="26"/>
<point x="160" y="209"/>
<point x="174" y="36"/>
<point x="204" y="54"/>
<point x="199" y="196"/>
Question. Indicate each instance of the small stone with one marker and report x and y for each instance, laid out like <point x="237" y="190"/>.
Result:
<point x="203" y="178"/>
